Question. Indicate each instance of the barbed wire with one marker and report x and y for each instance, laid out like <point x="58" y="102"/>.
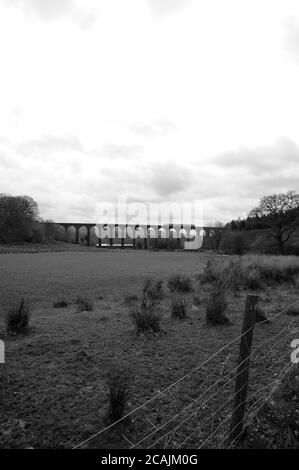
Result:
<point x="271" y="350"/>
<point x="190" y="405"/>
<point x="206" y="391"/>
<point x="263" y="399"/>
<point x="161" y="392"/>
<point x="214" y="414"/>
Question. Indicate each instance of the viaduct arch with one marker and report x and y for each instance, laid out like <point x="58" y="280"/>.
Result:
<point x="153" y="232"/>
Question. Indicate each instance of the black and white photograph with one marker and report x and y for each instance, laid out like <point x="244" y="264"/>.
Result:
<point x="149" y="229"/>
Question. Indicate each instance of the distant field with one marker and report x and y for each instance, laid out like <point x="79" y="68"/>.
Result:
<point x="41" y="277"/>
<point x="44" y="247"/>
<point x="53" y="387"/>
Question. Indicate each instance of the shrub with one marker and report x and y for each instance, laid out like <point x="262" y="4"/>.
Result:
<point x="145" y="318"/>
<point x="118" y="388"/>
<point x="139" y="243"/>
<point x="235" y="242"/>
<point x="152" y="290"/>
<point x="251" y="274"/>
<point x="162" y="243"/>
<point x="84" y="304"/>
<point x="239" y="243"/>
<point x="179" y="282"/>
<point x="60" y="304"/>
<point x="216" y="307"/>
<point x="278" y="273"/>
<point x="17" y="318"/>
<point x="178" y="307"/>
<point x="209" y="274"/>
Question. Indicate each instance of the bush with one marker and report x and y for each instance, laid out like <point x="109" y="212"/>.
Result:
<point x="17" y="318"/>
<point x="152" y="290"/>
<point x="235" y="242"/>
<point x="118" y="388"/>
<point x="139" y="244"/>
<point x="253" y="275"/>
<point x="240" y="243"/>
<point x="209" y="274"/>
<point x="162" y="243"/>
<point x="216" y="307"/>
<point x="278" y="273"/>
<point x="178" y="307"/>
<point x="84" y="304"/>
<point x="60" y="304"/>
<point x="292" y="250"/>
<point x="36" y="235"/>
<point x="179" y="282"/>
<point x="145" y="318"/>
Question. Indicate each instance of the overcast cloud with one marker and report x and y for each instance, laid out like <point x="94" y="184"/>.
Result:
<point x="163" y="8"/>
<point x="291" y="37"/>
<point x="82" y="13"/>
<point x="155" y="100"/>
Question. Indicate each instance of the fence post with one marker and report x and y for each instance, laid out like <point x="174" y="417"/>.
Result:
<point x="242" y="377"/>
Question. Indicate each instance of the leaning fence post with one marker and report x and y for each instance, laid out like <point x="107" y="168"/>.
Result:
<point x="242" y="377"/>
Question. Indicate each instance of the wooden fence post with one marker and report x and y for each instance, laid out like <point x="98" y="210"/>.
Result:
<point x="242" y="377"/>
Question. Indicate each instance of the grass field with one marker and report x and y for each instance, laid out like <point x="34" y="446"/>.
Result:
<point x="53" y="386"/>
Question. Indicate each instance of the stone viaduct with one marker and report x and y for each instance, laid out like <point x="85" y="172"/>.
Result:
<point x="146" y="232"/>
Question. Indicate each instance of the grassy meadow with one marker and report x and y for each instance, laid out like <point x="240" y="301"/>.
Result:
<point x="54" y="384"/>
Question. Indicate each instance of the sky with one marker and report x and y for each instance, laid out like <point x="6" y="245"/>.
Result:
<point x="150" y="100"/>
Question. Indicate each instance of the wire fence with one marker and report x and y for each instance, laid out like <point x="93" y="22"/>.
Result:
<point x="196" y="410"/>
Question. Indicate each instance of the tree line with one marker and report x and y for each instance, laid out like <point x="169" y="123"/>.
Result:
<point x="277" y="214"/>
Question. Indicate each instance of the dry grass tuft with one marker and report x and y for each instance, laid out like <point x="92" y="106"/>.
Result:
<point x="18" y="317"/>
<point x="216" y="307"/>
<point x="84" y="304"/>
<point x="60" y="304"/>
<point x="178" y="307"/>
<point x="152" y="290"/>
<point x="146" y="318"/>
<point x="118" y="391"/>
<point x="180" y="283"/>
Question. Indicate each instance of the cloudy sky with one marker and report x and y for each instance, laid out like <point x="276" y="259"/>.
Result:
<point x="153" y="100"/>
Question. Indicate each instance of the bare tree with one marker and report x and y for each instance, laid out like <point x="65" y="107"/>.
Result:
<point x="280" y="213"/>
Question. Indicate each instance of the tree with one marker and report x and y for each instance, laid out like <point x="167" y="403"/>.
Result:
<point x="217" y="234"/>
<point x="49" y="229"/>
<point x="279" y="213"/>
<point x="18" y="214"/>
